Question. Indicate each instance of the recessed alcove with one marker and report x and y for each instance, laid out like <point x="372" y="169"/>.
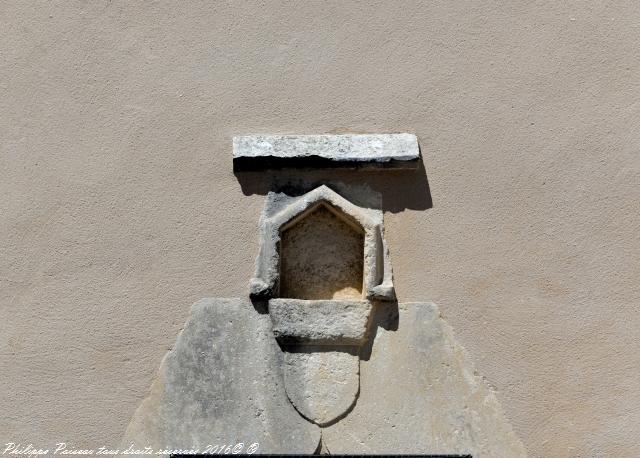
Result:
<point x="320" y="246"/>
<point x="321" y="255"/>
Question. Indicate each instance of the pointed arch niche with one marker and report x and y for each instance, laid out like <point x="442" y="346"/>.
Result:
<point x="321" y="255"/>
<point x="320" y="246"/>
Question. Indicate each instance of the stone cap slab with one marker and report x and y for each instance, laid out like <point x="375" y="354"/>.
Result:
<point x="320" y="322"/>
<point x="368" y="151"/>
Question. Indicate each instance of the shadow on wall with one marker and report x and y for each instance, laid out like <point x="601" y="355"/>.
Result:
<point x="400" y="189"/>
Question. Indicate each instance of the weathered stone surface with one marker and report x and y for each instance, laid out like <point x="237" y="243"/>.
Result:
<point x="222" y="383"/>
<point x="420" y="394"/>
<point x="282" y="211"/>
<point x="255" y="152"/>
<point x="321" y="257"/>
<point x="412" y="391"/>
<point x="323" y="385"/>
<point x="320" y="322"/>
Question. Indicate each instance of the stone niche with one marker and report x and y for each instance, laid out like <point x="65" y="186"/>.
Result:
<point x="321" y="357"/>
<point x="321" y="255"/>
<point x="323" y="261"/>
<point x="321" y="246"/>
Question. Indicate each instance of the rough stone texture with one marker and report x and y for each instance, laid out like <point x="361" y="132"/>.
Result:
<point x="225" y="382"/>
<point x="321" y="257"/>
<point x="282" y="211"/>
<point x="322" y="385"/>
<point x="120" y="209"/>
<point x="419" y="393"/>
<point x="320" y="322"/>
<point x="222" y="383"/>
<point x="255" y="152"/>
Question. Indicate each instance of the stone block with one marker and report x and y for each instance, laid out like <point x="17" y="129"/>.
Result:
<point x="222" y="383"/>
<point x="418" y="393"/>
<point x="318" y="322"/>
<point x="373" y="151"/>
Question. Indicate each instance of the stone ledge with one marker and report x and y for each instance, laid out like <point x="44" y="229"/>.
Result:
<point x="377" y="151"/>
<point x="320" y="322"/>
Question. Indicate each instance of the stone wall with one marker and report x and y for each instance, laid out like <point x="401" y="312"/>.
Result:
<point x="120" y="208"/>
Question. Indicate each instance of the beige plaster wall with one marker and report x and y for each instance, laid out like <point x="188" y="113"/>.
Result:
<point x="119" y="207"/>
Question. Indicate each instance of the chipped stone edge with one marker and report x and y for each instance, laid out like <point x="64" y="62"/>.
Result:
<point x="144" y="413"/>
<point x="471" y="374"/>
<point x="259" y="152"/>
<point x="147" y="413"/>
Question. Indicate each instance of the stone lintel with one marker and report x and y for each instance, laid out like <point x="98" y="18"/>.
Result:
<point x="368" y="151"/>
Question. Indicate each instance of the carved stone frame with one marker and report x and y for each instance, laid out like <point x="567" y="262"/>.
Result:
<point x="377" y="274"/>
